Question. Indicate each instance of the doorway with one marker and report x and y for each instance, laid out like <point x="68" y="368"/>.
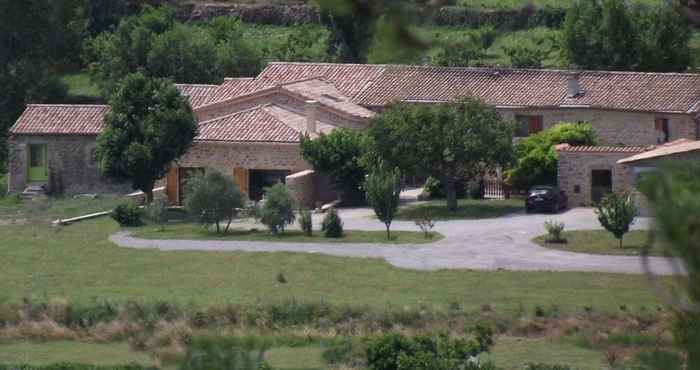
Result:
<point x="38" y="170"/>
<point x="601" y="184"/>
<point x="261" y="179"/>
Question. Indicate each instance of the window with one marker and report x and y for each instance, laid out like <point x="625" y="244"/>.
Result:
<point x="663" y="130"/>
<point x="528" y="125"/>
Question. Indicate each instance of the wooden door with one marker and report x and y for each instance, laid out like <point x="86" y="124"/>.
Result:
<point x="242" y="177"/>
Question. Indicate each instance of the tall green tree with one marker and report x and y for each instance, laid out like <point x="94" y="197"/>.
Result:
<point x="674" y="194"/>
<point x="149" y="126"/>
<point x="536" y="155"/>
<point x="338" y="154"/>
<point x="616" y="213"/>
<point x="612" y="35"/>
<point x="213" y="197"/>
<point x="383" y="189"/>
<point x="462" y="140"/>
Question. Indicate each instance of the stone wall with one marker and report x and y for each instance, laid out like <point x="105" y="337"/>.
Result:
<point x="302" y="188"/>
<point x="225" y="157"/>
<point x="615" y="127"/>
<point x="73" y="168"/>
<point x="574" y="174"/>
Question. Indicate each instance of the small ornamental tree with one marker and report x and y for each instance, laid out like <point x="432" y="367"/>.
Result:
<point x="383" y="189"/>
<point x="616" y="213"/>
<point x="213" y="197"/>
<point x="462" y="140"/>
<point x="150" y="125"/>
<point x="339" y="155"/>
<point x="278" y="208"/>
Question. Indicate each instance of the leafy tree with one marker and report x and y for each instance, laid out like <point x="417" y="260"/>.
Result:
<point x="306" y="43"/>
<point x="332" y="226"/>
<point x="306" y="222"/>
<point x="536" y="155"/>
<point x="525" y="55"/>
<point x="29" y="48"/>
<point x="455" y="141"/>
<point x="149" y="126"/>
<point x="339" y="155"/>
<point x="610" y="35"/>
<point x="457" y="54"/>
<point x="383" y="190"/>
<point x="156" y="44"/>
<point x="278" y="208"/>
<point x="616" y="213"/>
<point x="674" y="193"/>
<point x="213" y="197"/>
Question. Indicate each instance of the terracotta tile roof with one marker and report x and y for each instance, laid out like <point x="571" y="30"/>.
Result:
<point x="252" y="125"/>
<point x="326" y="94"/>
<point x="197" y="94"/>
<point x="675" y="147"/>
<point x="377" y="85"/>
<point x="235" y="87"/>
<point x="566" y="148"/>
<point x="45" y="119"/>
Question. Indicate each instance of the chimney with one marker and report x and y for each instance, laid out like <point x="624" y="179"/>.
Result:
<point x="573" y="88"/>
<point x="311" y="116"/>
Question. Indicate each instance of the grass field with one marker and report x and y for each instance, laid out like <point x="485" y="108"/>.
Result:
<point x="79" y="264"/>
<point x="196" y="232"/>
<point x="515" y="353"/>
<point x="466" y="209"/>
<point x="601" y="242"/>
<point x="40" y="354"/>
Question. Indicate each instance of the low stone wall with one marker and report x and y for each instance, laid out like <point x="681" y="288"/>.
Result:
<point x="72" y="165"/>
<point x="302" y="187"/>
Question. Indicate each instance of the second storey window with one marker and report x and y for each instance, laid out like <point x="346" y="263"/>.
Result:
<point x="663" y="130"/>
<point x="528" y="125"/>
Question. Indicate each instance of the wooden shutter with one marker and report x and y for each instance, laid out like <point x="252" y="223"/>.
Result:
<point x="659" y="124"/>
<point x="535" y="124"/>
<point x="241" y="177"/>
<point x="171" y="186"/>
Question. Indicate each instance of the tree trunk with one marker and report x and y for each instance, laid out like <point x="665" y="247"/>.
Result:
<point x="388" y="232"/>
<point x="621" y="241"/>
<point x="228" y="225"/>
<point x="149" y="196"/>
<point x="450" y="193"/>
<point x="217" y="226"/>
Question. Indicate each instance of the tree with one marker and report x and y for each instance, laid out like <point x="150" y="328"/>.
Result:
<point x="454" y="141"/>
<point x="616" y="213"/>
<point x="536" y="155"/>
<point x="613" y="36"/>
<point x="339" y="155"/>
<point x="278" y="208"/>
<point x="524" y="55"/>
<point x="213" y="197"/>
<point x="149" y="126"/>
<point x="674" y="193"/>
<point x="383" y="190"/>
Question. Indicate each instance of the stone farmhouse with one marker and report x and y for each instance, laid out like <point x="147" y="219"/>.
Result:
<point x="250" y="127"/>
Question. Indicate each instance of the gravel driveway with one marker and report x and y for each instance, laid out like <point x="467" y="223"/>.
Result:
<point x="490" y="244"/>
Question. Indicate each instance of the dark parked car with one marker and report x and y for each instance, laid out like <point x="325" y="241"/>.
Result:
<point x="545" y="198"/>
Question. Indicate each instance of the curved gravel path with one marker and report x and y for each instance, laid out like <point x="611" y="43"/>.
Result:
<point x="489" y="244"/>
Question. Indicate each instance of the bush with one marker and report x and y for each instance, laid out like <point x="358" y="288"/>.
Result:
<point x="306" y="222"/>
<point x="213" y="197"/>
<point x="332" y="226"/>
<point x="554" y="230"/>
<point x="425" y="224"/>
<point x="396" y="352"/>
<point x="224" y="353"/>
<point x="157" y="212"/>
<point x="436" y="191"/>
<point x="127" y="214"/>
<point x="278" y="208"/>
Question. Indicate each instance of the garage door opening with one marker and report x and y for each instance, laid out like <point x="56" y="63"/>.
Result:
<point x="261" y="179"/>
<point x="601" y="184"/>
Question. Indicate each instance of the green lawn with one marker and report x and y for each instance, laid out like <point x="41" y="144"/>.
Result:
<point x="467" y="209"/>
<point x="514" y="353"/>
<point x="40" y="354"/>
<point x="196" y="232"/>
<point x="601" y="242"/>
<point x="78" y="263"/>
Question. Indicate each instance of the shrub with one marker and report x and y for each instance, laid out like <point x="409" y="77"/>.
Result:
<point x="224" y="353"/>
<point x="332" y="226"/>
<point x="213" y="197"/>
<point x="425" y="224"/>
<point x="278" y="208"/>
<point x="157" y="212"/>
<point x="554" y="231"/>
<point x="524" y="55"/>
<point x="616" y="213"/>
<point x="396" y="352"/>
<point x="127" y="214"/>
<point x="383" y="192"/>
<point x="306" y="222"/>
<point x="435" y="189"/>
